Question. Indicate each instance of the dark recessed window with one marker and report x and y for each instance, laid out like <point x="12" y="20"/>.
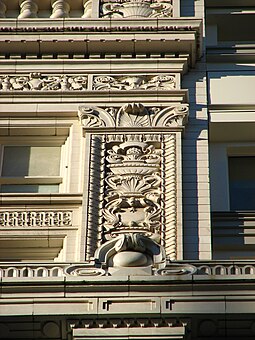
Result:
<point x="242" y="183"/>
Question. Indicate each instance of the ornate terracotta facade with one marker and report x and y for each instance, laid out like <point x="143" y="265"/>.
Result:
<point x="108" y="226"/>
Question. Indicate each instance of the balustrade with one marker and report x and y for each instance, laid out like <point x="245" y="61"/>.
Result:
<point x="28" y="9"/>
<point x="60" y="9"/>
<point x="84" y="9"/>
<point x="209" y="268"/>
<point x="35" y="219"/>
<point x="2" y="9"/>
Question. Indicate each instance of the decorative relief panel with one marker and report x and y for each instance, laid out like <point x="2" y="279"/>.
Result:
<point x="132" y="204"/>
<point x="133" y="188"/>
<point x="35" y="219"/>
<point x="35" y="81"/>
<point x="131" y="201"/>
<point x="140" y="82"/>
<point x="38" y="82"/>
<point x="137" y="8"/>
<point x="134" y="115"/>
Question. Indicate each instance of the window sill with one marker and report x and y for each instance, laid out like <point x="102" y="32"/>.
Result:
<point x="31" y="180"/>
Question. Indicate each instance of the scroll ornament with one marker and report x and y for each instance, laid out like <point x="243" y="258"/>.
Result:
<point x="134" y="115"/>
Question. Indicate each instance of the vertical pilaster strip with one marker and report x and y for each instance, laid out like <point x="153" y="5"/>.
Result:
<point x="169" y="195"/>
<point x="95" y="194"/>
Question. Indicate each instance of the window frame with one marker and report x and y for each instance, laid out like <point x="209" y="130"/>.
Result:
<point x="38" y="141"/>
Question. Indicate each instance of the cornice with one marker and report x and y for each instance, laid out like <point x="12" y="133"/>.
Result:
<point x="163" y="36"/>
<point x="100" y="25"/>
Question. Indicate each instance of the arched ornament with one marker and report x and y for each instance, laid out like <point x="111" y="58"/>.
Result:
<point x="134" y="115"/>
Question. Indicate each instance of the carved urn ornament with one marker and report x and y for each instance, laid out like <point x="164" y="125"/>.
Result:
<point x="133" y="189"/>
<point x="137" y="8"/>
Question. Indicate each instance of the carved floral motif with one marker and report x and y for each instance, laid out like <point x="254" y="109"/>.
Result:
<point x="137" y="8"/>
<point x="37" y="82"/>
<point x="35" y="218"/>
<point x="159" y="82"/>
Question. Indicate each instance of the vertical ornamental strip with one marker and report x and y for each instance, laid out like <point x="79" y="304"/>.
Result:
<point x="132" y="200"/>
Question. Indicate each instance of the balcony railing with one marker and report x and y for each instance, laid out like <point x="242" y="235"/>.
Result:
<point x="53" y="270"/>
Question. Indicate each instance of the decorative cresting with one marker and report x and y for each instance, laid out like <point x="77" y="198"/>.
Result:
<point x="37" y="82"/>
<point x="136" y="82"/>
<point x="28" y="9"/>
<point x="134" y="115"/>
<point x="35" y="219"/>
<point x="137" y="8"/>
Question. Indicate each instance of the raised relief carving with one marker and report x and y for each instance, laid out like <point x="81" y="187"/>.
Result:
<point x="35" y="219"/>
<point x="137" y="8"/>
<point x="131" y="250"/>
<point x="159" y="82"/>
<point x="138" y="182"/>
<point x="88" y="117"/>
<point x="134" y="115"/>
<point x="133" y="191"/>
<point x="37" y="82"/>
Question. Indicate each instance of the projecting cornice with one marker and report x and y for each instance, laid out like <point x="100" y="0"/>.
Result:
<point x="163" y="36"/>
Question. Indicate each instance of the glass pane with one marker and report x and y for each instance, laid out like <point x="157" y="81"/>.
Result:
<point x="29" y="188"/>
<point x="44" y="161"/>
<point x="242" y="183"/>
<point x="19" y="161"/>
<point x="16" y="161"/>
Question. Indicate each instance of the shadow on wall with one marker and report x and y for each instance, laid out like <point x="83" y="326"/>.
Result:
<point x="233" y="235"/>
<point x="193" y="186"/>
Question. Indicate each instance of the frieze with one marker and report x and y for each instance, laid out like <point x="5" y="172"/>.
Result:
<point x="37" y="82"/>
<point x="36" y="219"/>
<point x="134" y="82"/>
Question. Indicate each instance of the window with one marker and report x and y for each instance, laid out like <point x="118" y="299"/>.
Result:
<point x="242" y="182"/>
<point x="31" y="169"/>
